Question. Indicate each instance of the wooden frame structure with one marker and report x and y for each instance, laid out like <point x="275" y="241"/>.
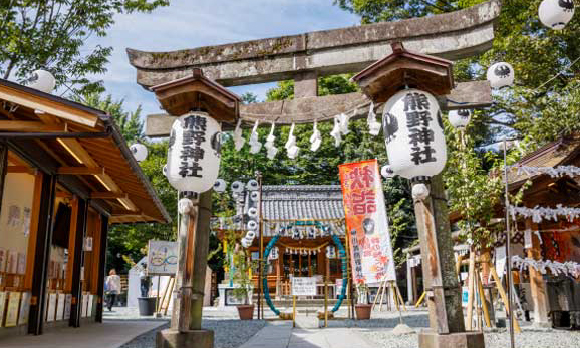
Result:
<point x="74" y="156"/>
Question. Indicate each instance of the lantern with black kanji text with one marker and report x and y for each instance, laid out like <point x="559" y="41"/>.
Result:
<point x="193" y="158"/>
<point x="414" y="138"/>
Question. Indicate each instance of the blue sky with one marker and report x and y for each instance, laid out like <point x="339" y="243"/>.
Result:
<point x="194" y="23"/>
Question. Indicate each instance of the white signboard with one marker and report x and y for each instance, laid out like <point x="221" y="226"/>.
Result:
<point x="162" y="258"/>
<point x="60" y="306"/>
<point x="303" y="286"/>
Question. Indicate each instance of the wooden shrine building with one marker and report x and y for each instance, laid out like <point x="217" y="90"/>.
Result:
<point x="66" y="175"/>
<point x="305" y="216"/>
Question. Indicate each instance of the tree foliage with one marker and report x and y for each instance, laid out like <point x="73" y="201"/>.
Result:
<point x="51" y="35"/>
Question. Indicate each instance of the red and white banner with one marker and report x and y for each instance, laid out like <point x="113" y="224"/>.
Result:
<point x="366" y="222"/>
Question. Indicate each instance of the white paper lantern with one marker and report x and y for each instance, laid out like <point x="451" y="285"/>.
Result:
<point x="246" y="243"/>
<point x="460" y="118"/>
<point x="501" y="75"/>
<point x="252" y="225"/>
<point x="555" y="14"/>
<point x="253" y="212"/>
<point x="250" y="235"/>
<point x="252" y="185"/>
<point x="237" y="187"/>
<point x="414" y="138"/>
<point x="220" y="185"/>
<point x="139" y="151"/>
<point x="41" y="80"/>
<point x="193" y="158"/>
<point x="254" y="196"/>
<point x="387" y="172"/>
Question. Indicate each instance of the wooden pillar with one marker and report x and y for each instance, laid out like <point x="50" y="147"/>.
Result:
<point x="3" y="169"/>
<point x="440" y="281"/>
<point x="104" y="227"/>
<point x="193" y="250"/>
<point x="76" y="258"/>
<point x="537" y="285"/>
<point x="41" y="256"/>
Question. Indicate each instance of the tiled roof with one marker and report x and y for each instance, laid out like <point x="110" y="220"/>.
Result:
<point x="303" y="202"/>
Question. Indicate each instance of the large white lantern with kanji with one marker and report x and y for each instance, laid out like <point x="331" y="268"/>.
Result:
<point x="193" y="158"/>
<point x="414" y="138"/>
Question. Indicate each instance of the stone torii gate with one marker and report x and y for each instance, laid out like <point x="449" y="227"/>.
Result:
<point x="306" y="57"/>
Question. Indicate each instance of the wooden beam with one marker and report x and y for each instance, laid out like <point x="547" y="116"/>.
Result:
<point x="63" y="194"/>
<point x="21" y="170"/>
<point x="81" y="171"/>
<point x="29" y="126"/>
<point x="46" y="105"/>
<point x="83" y="157"/>
<point x="474" y="94"/>
<point x="108" y="195"/>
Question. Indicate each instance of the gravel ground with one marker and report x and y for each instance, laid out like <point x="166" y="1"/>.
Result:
<point x="228" y="333"/>
<point x="501" y="339"/>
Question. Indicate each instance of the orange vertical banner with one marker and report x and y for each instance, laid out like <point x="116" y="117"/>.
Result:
<point x="366" y="222"/>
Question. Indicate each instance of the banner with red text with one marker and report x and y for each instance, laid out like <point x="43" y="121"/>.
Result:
<point x="366" y="223"/>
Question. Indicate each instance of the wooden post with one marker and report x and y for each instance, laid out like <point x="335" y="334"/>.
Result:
<point x="483" y="302"/>
<point x="503" y="295"/>
<point x="537" y="285"/>
<point x="104" y="225"/>
<point x="41" y="256"/>
<point x="293" y="310"/>
<point x="77" y="264"/>
<point x="470" y="288"/>
<point x="325" y="302"/>
<point x="193" y="248"/>
<point x="439" y="274"/>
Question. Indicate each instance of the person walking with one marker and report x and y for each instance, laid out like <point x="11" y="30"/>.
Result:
<point x="113" y="284"/>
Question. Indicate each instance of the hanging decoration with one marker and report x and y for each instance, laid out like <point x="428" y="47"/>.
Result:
<point x="501" y="75"/>
<point x="460" y="118"/>
<point x="220" y="185"/>
<point x="570" y="268"/>
<point x="193" y="158"/>
<point x="255" y="144"/>
<point x="555" y="14"/>
<point x="253" y="212"/>
<point x="302" y="250"/>
<point x="272" y="150"/>
<point x="291" y="148"/>
<point x="414" y="138"/>
<point x="254" y="196"/>
<point x="539" y="214"/>
<point x="139" y="151"/>
<point x="315" y="138"/>
<point x="273" y="254"/>
<point x="335" y="132"/>
<point x="554" y="172"/>
<point x="239" y="140"/>
<point x="343" y="123"/>
<point x="374" y="125"/>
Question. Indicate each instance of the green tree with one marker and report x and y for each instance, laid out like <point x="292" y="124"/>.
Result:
<point x="51" y="35"/>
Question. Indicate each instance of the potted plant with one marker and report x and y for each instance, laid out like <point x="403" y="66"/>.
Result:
<point x="243" y="285"/>
<point x="363" y="307"/>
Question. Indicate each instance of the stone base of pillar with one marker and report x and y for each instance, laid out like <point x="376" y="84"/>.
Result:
<point x="191" y="339"/>
<point x="542" y="325"/>
<point x="431" y="339"/>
